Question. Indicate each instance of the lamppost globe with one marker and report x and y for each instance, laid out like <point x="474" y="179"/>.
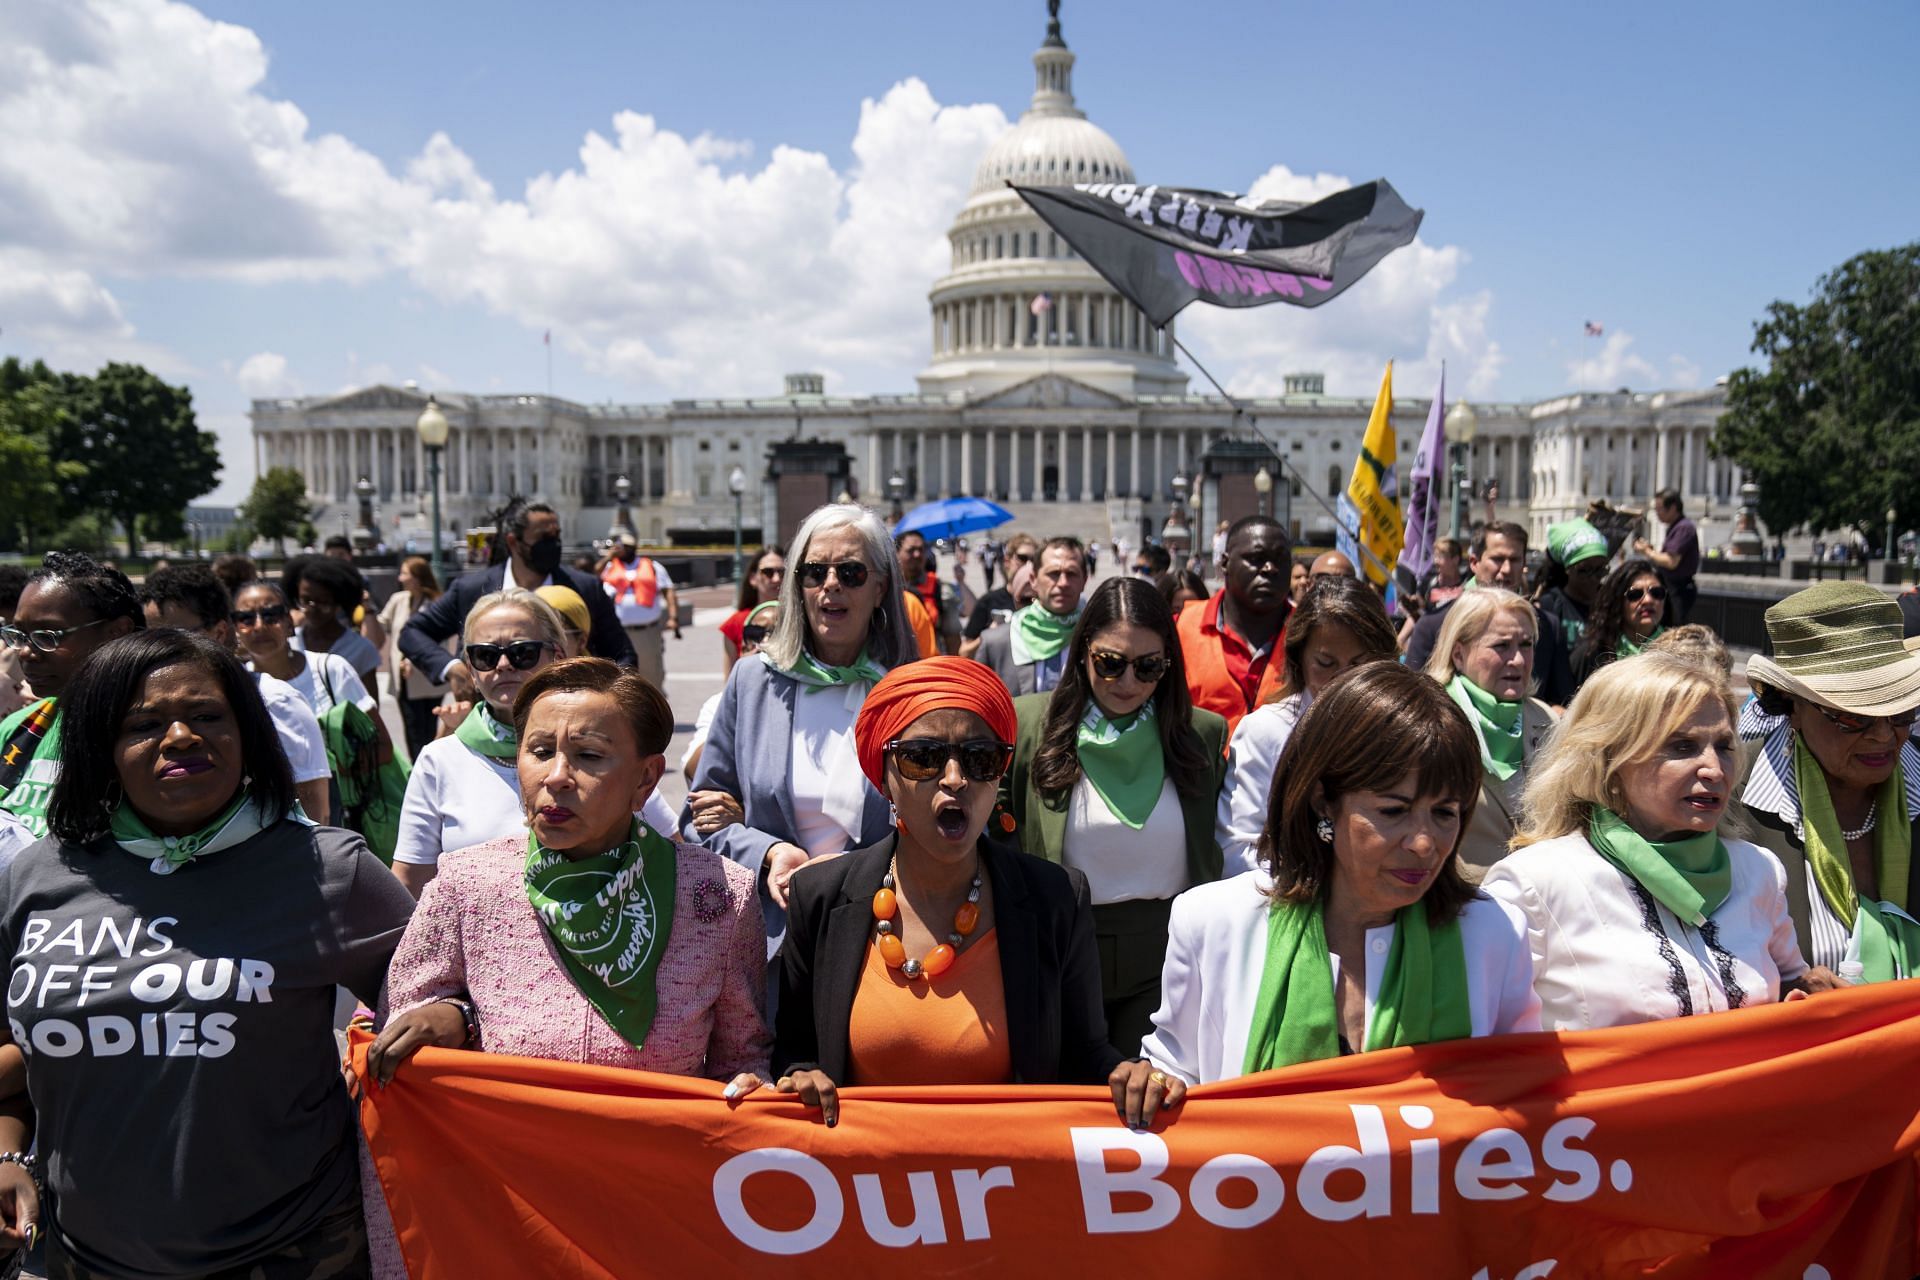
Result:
<point x="432" y="428"/>
<point x="737" y="485"/>
<point x="1462" y="422"/>
<point x="896" y="489"/>
<point x="1263" y="485"/>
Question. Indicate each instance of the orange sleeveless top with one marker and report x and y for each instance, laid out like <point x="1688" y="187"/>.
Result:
<point x="946" y="1030"/>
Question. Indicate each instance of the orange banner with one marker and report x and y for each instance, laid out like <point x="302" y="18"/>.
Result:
<point x="1769" y="1142"/>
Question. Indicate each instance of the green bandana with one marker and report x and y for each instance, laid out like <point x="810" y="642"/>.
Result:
<point x="1423" y="989"/>
<point x="1122" y="761"/>
<point x="1629" y="647"/>
<point x="1690" y="877"/>
<point x="485" y="735"/>
<point x="1038" y="634"/>
<point x="238" y="822"/>
<point x="30" y="762"/>
<point x="1889" y="940"/>
<point x="817" y="675"/>
<point x="1502" y="750"/>
<point x="610" y="916"/>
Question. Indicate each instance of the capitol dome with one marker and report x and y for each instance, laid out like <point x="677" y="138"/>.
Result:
<point x="1051" y="148"/>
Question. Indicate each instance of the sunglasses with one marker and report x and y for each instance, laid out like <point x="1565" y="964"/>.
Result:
<point x="852" y="573"/>
<point x="1637" y="594"/>
<point x="1147" y="668"/>
<point x="1847" y="722"/>
<point x="924" y="759"/>
<point x="258" y="617"/>
<point x="522" y="655"/>
<point x="753" y="633"/>
<point x="45" y="640"/>
<point x="772" y="573"/>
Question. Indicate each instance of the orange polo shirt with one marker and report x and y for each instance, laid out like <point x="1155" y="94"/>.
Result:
<point x="1224" y="675"/>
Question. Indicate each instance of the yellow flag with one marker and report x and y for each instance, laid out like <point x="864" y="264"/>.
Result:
<point x="1371" y="526"/>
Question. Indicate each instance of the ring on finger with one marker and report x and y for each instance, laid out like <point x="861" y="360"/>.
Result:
<point x="1159" y="1078"/>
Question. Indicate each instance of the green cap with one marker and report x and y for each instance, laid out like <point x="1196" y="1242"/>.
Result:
<point x="1572" y="541"/>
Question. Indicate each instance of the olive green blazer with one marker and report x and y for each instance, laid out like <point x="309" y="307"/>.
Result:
<point x="1040" y="827"/>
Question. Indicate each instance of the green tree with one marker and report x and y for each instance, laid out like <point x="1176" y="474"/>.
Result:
<point x="277" y="508"/>
<point x="1830" y="429"/>
<point x="144" y="454"/>
<point x="32" y="412"/>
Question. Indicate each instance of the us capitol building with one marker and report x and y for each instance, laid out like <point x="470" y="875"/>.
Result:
<point x="1078" y="418"/>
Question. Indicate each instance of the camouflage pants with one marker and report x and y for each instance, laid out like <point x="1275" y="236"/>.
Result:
<point x="334" y="1250"/>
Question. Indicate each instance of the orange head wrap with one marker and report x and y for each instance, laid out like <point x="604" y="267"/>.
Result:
<point x="931" y="684"/>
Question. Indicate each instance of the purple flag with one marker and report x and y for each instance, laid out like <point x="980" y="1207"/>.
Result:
<point x="1426" y="494"/>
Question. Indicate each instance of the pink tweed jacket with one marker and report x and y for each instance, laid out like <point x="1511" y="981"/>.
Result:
<point x="475" y="935"/>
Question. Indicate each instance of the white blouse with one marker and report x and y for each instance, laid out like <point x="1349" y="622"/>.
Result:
<point x="1252" y="756"/>
<point x="1606" y="953"/>
<point x="828" y="789"/>
<point x="1120" y="863"/>
<point x="1217" y="951"/>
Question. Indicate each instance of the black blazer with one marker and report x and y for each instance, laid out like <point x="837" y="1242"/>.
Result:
<point x="1056" y="1024"/>
<point x="427" y="628"/>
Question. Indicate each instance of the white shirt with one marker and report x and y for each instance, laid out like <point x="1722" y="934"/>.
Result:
<point x="457" y="798"/>
<point x="1120" y="863"/>
<point x="15" y="836"/>
<point x="638" y="615"/>
<point x="1217" y="951"/>
<point x="1607" y="954"/>
<point x="702" y="725"/>
<point x="354" y="647"/>
<point x="826" y="785"/>
<point x="300" y="736"/>
<point x="339" y="676"/>
<point x="1252" y="756"/>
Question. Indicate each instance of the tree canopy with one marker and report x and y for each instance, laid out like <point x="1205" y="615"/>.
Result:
<point x="277" y="508"/>
<point x="1830" y="428"/>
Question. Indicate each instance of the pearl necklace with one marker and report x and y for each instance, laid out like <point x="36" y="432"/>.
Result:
<point x="886" y="907"/>
<point x="1865" y="828"/>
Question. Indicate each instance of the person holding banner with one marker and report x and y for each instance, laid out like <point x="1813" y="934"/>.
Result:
<point x="1637" y="906"/>
<point x="1626" y="614"/>
<point x="1485" y="662"/>
<point x="1835" y="789"/>
<point x="939" y="955"/>
<point x="1115" y="774"/>
<point x="1358" y="931"/>
<point x="1339" y="624"/>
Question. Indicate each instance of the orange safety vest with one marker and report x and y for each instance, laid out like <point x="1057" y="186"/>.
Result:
<point x="1209" y="682"/>
<point x="634" y="584"/>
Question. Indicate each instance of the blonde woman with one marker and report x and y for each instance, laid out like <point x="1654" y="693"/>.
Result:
<point x="416" y="695"/>
<point x="1484" y="659"/>
<point x="1639" y="905"/>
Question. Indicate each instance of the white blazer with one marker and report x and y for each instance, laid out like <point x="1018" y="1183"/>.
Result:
<point x="1252" y="756"/>
<point x="1607" y="954"/>
<point x="1217" y="948"/>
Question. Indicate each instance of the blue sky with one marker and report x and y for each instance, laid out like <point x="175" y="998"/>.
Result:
<point x="1665" y="170"/>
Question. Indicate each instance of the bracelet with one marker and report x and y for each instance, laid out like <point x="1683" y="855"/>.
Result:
<point x="466" y="1016"/>
<point x="25" y="1160"/>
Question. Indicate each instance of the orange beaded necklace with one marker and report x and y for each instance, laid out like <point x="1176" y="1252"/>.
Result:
<point x="937" y="961"/>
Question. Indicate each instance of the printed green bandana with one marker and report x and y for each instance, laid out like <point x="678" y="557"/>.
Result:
<point x="1629" y="647"/>
<point x="1889" y="939"/>
<point x="484" y="734"/>
<point x="1497" y="723"/>
<point x="30" y="762"/>
<point x="1038" y="634"/>
<point x="1690" y="877"/>
<point x="1123" y="761"/>
<point x="610" y="915"/>
<point x="817" y="675"/>
<point x="1423" y="989"/>
<point x="237" y="823"/>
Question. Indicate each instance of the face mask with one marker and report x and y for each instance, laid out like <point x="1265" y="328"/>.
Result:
<point x="544" y="556"/>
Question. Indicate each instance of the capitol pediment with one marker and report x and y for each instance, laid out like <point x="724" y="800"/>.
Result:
<point x="375" y="397"/>
<point x="1050" y="391"/>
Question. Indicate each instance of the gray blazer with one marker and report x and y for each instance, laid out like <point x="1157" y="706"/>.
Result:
<point x="749" y="754"/>
<point x="995" y="651"/>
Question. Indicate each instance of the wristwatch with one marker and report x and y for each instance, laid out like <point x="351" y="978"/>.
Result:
<point x="466" y="1017"/>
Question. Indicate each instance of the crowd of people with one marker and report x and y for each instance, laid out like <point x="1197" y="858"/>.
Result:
<point x="1137" y="832"/>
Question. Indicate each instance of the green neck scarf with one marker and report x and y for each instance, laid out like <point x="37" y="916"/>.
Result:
<point x="1629" y="647"/>
<point x="1122" y="761"/>
<point x="1423" y="989"/>
<point x="610" y="915"/>
<point x="1502" y="749"/>
<point x="238" y="822"/>
<point x="1889" y="940"/>
<point x="1037" y="634"/>
<point x="1690" y="877"/>
<point x="817" y="675"/>
<point x="484" y="734"/>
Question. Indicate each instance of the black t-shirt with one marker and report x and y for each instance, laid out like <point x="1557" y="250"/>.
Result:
<point x="982" y="619"/>
<point x="179" y="1039"/>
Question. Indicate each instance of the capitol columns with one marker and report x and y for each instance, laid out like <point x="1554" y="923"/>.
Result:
<point x="1086" y="464"/>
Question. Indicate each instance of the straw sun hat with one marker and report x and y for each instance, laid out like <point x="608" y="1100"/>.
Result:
<point x="1839" y="644"/>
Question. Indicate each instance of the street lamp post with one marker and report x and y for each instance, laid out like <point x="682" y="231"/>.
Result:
<point x="622" y="517"/>
<point x="737" y="485"/>
<point x="432" y="429"/>
<point x="896" y="486"/>
<point x="1263" y="485"/>
<point x="1461" y="423"/>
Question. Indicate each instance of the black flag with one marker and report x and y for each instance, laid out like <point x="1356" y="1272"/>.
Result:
<point x="1163" y="247"/>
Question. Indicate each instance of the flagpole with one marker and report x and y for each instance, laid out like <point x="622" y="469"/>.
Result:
<point x="1239" y="411"/>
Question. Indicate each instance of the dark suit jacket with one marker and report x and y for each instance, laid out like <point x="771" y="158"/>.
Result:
<point x="427" y="628"/>
<point x="1056" y="1026"/>
<point x="1041" y="828"/>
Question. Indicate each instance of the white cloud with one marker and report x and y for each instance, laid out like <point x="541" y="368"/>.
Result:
<point x="1405" y="310"/>
<point x="265" y="374"/>
<point x="1614" y="364"/>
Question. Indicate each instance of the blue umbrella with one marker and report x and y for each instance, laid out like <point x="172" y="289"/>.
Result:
<point x="952" y="517"/>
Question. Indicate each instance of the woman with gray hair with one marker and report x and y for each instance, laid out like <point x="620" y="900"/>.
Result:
<point x="782" y="737"/>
